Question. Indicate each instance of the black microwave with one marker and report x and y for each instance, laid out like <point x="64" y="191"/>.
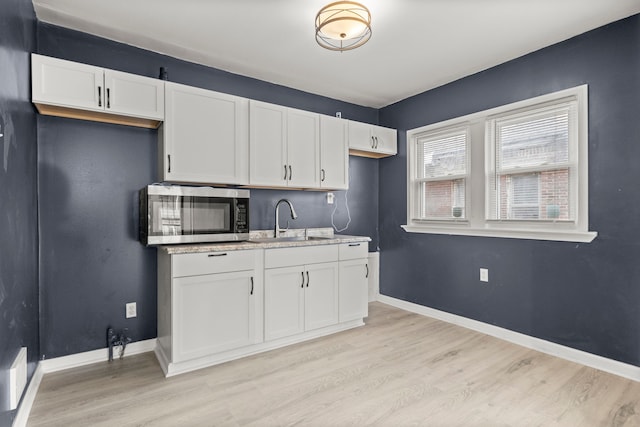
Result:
<point x="174" y="214"/>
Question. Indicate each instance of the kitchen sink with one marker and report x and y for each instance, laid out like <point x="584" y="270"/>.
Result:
<point x="290" y="239"/>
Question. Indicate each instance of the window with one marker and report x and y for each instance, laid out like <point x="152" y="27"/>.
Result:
<point x="442" y="174"/>
<point x="517" y="171"/>
<point x="533" y="164"/>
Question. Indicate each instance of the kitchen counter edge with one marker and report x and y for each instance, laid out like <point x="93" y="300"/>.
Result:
<point x="246" y="245"/>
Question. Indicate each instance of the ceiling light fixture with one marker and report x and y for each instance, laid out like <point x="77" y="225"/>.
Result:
<point x="343" y="25"/>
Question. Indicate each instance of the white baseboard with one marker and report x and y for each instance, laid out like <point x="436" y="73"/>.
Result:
<point x="94" y="356"/>
<point x="588" y="359"/>
<point x="22" y="416"/>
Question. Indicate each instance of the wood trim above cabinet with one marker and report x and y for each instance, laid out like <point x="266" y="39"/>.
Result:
<point x="369" y="154"/>
<point x="96" y="116"/>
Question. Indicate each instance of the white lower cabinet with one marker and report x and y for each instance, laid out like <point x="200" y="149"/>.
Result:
<point x="300" y="298"/>
<point x="218" y="306"/>
<point x="208" y="304"/>
<point x="213" y="313"/>
<point x="354" y="281"/>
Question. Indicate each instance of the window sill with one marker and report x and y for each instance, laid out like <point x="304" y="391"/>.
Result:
<point x="553" y="235"/>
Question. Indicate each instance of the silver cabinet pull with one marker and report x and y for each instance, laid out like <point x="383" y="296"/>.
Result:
<point x="323" y="175"/>
<point x="169" y="159"/>
<point x="307" y="279"/>
<point x="108" y="98"/>
<point x="285" y="172"/>
<point x="376" y="147"/>
<point x="290" y="173"/>
<point x="99" y="96"/>
<point x="215" y="255"/>
<point x="372" y="142"/>
<point x="302" y="286"/>
<point x="251" y="293"/>
<point x="354" y="244"/>
<point x="367" y="276"/>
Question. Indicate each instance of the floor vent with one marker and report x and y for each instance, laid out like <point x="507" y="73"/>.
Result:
<point x="17" y="378"/>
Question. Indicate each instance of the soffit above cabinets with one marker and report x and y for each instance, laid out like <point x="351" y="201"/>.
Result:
<point x="416" y="45"/>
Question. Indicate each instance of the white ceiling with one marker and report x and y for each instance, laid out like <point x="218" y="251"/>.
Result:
<point x="416" y="44"/>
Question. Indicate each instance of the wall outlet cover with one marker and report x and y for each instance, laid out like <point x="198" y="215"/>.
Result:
<point x="131" y="310"/>
<point x="484" y="275"/>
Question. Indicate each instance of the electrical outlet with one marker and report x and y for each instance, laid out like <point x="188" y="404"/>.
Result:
<point x="131" y="310"/>
<point x="339" y="114"/>
<point x="484" y="275"/>
<point x="330" y="198"/>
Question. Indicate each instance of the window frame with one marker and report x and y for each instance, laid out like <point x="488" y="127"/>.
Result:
<point x="419" y="180"/>
<point x="481" y="154"/>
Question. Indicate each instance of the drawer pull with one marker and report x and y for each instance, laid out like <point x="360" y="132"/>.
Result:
<point x="354" y="244"/>
<point x="251" y="293"/>
<point x="212" y="255"/>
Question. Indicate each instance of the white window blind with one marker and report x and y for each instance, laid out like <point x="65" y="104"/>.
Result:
<point x="533" y="172"/>
<point x="442" y="174"/>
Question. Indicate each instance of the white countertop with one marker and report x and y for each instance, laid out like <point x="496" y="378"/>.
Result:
<point x="326" y="234"/>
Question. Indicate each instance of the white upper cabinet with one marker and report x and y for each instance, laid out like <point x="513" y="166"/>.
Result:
<point x="204" y="138"/>
<point x="283" y="146"/>
<point x="134" y="95"/>
<point x="70" y="89"/>
<point x="372" y="141"/>
<point x="334" y="153"/>
<point x="303" y="148"/>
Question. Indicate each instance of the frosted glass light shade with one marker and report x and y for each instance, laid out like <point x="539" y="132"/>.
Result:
<point x="343" y="25"/>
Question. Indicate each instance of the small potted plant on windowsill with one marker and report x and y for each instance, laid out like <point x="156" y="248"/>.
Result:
<point x="553" y="211"/>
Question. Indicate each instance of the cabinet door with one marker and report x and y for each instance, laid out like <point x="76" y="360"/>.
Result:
<point x="212" y="313"/>
<point x="385" y="139"/>
<point x="303" y="148"/>
<point x="133" y="95"/>
<point x="334" y="153"/>
<point x="67" y="84"/>
<point x="204" y="137"/>
<point x="283" y="302"/>
<point x="267" y="145"/>
<point x="321" y="295"/>
<point x="354" y="289"/>
<point x="360" y="136"/>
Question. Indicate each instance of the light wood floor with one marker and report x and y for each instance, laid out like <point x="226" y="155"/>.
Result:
<point x="401" y="369"/>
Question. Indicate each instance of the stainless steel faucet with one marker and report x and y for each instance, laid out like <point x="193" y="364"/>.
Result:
<point x="277" y="229"/>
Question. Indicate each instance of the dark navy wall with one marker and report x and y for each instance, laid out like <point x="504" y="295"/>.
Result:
<point x="18" y="196"/>
<point x="91" y="263"/>
<point x="585" y="296"/>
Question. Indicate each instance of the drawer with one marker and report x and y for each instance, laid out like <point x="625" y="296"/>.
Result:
<point x="354" y="250"/>
<point x="285" y="257"/>
<point x="213" y="262"/>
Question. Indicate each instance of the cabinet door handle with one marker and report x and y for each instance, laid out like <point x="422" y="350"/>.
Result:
<point x="214" y="255"/>
<point x="99" y="96"/>
<point x="323" y="175"/>
<point x="354" y="244"/>
<point x="285" y="172"/>
<point x="251" y="293"/>
<point x="376" y="143"/>
<point x="290" y="173"/>
<point x="108" y="98"/>
<point x="367" y="266"/>
<point x="372" y="143"/>
<point x="169" y="167"/>
<point x="302" y="286"/>
<point x="307" y="279"/>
